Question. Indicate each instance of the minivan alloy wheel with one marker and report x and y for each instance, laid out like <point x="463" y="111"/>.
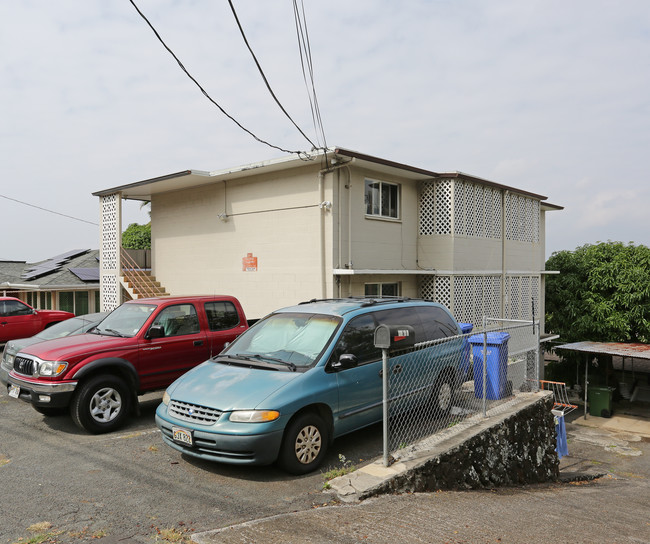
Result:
<point x="305" y="443"/>
<point x="308" y="444"/>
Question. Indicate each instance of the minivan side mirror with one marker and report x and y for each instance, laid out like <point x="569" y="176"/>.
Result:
<point x="155" y="331"/>
<point x="347" y="360"/>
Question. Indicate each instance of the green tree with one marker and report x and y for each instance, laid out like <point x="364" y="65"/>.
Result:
<point x="137" y="236"/>
<point x="602" y="293"/>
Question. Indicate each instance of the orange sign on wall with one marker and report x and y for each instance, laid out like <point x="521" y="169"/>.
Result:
<point x="249" y="263"/>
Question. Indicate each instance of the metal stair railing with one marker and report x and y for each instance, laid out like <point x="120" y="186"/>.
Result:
<point x="143" y="284"/>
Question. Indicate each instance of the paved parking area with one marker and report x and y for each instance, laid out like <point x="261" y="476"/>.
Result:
<point x="129" y="487"/>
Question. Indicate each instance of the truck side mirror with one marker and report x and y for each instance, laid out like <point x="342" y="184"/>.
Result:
<point x="155" y="331"/>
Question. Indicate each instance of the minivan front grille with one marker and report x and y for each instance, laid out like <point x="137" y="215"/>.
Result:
<point x="201" y="415"/>
<point x="25" y="366"/>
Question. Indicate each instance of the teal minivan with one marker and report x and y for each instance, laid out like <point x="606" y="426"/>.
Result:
<point x="305" y="375"/>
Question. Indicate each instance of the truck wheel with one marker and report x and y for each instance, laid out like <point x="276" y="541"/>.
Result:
<point x="304" y="445"/>
<point x="101" y="405"/>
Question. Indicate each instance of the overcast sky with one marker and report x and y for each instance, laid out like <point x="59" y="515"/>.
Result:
<point x="552" y="97"/>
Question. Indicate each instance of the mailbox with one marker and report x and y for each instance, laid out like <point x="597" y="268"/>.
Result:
<point x="394" y="336"/>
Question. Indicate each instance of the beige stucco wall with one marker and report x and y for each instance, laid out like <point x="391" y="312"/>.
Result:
<point x="201" y="236"/>
<point x="277" y="219"/>
<point x="369" y="242"/>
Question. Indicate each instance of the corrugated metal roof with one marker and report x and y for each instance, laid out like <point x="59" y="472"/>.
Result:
<point x="621" y="349"/>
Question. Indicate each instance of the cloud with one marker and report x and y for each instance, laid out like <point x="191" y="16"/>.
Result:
<point x="547" y="96"/>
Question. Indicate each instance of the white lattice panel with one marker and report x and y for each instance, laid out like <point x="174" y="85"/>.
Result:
<point x="110" y="291"/>
<point x="471" y="209"/>
<point x="443" y="207"/>
<point x="460" y="212"/>
<point x="427" y="208"/>
<point x="522" y="218"/>
<point x="492" y="289"/>
<point x="110" y="231"/>
<point x="436" y="288"/>
<point x="523" y="293"/>
<point x="469" y="298"/>
<point x="443" y="290"/>
<point x="494" y="206"/>
<point x="478" y="211"/>
<point x="475" y="297"/>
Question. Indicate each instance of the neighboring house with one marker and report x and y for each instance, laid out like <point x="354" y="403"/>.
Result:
<point x="337" y="224"/>
<point x="68" y="282"/>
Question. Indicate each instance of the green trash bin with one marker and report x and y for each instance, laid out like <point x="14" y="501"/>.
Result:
<point x="600" y="401"/>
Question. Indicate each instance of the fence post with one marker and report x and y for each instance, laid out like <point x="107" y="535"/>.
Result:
<point x="484" y="366"/>
<point x="538" y="362"/>
<point x="384" y="379"/>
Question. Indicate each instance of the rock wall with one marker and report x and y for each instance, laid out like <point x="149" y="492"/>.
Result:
<point x="514" y="450"/>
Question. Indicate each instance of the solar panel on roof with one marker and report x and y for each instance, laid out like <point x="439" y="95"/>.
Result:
<point x="86" y="274"/>
<point x="51" y="265"/>
<point x="69" y="255"/>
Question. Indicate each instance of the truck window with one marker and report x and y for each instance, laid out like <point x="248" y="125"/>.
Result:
<point x="14" y="307"/>
<point x="178" y="320"/>
<point x="222" y="315"/>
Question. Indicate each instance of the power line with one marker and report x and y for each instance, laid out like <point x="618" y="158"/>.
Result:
<point x="49" y="211"/>
<point x="304" y="48"/>
<point x="259" y="68"/>
<point x="205" y="93"/>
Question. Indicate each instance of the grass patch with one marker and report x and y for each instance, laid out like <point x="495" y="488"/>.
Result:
<point x="345" y="468"/>
<point x="178" y="536"/>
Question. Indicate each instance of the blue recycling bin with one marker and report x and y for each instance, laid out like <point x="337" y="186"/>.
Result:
<point x="465" y="328"/>
<point x="496" y="364"/>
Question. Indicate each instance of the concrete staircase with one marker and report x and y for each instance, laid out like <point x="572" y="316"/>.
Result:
<point x="138" y="281"/>
<point x="141" y="284"/>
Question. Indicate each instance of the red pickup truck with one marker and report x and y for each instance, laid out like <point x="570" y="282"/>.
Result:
<point x="143" y="345"/>
<point x="20" y="320"/>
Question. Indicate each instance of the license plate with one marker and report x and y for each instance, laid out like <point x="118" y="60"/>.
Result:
<point x="14" y="391"/>
<point x="184" y="436"/>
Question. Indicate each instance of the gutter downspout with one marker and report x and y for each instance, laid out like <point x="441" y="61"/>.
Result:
<point x="324" y="207"/>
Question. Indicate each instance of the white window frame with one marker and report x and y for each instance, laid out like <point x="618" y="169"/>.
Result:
<point x="378" y="198"/>
<point x="380" y="288"/>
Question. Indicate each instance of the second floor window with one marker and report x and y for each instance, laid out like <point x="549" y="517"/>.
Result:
<point x="382" y="199"/>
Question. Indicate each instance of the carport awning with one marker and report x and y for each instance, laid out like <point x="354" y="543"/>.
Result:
<point x="621" y="349"/>
<point x="625" y="350"/>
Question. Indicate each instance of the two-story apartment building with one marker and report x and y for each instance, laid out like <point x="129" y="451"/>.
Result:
<point x="336" y="224"/>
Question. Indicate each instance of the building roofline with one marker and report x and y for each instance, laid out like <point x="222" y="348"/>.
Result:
<point x="142" y="190"/>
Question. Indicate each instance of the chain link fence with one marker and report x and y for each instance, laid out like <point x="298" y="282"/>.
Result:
<point x="437" y="385"/>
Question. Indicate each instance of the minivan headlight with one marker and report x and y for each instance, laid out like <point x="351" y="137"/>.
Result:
<point x="52" y="368"/>
<point x="166" y="398"/>
<point x="254" y="416"/>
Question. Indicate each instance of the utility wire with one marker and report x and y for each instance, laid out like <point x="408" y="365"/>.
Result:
<point x="259" y="68"/>
<point x="49" y="211"/>
<point x="304" y="48"/>
<point x="300" y="153"/>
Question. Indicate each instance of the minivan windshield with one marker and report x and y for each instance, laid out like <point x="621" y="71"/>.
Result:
<point x="125" y="320"/>
<point x="294" y="338"/>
